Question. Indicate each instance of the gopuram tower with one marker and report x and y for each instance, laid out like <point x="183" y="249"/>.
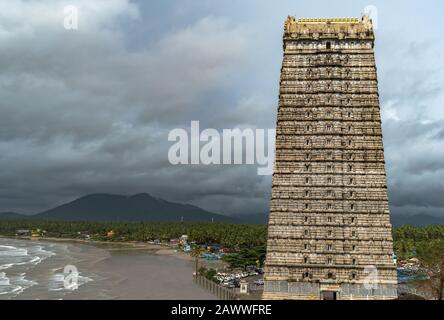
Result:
<point x="329" y="233"/>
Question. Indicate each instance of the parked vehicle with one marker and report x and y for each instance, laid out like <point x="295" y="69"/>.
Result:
<point x="259" y="282"/>
<point x="259" y="270"/>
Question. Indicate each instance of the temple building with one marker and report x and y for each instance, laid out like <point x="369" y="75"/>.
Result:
<point x="329" y="233"/>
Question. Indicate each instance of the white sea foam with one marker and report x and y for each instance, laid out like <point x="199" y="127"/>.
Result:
<point x="57" y="282"/>
<point x="19" y="272"/>
<point x="6" y="266"/>
<point x="14" y="285"/>
<point x="4" y="281"/>
<point x="13" y="251"/>
<point x="16" y="259"/>
<point x="7" y="247"/>
<point x="22" y="254"/>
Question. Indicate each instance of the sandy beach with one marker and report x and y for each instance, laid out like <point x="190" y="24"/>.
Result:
<point x="107" y="270"/>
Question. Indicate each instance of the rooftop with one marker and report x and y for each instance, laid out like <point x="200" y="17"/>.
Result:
<point x="329" y="27"/>
<point x="330" y="20"/>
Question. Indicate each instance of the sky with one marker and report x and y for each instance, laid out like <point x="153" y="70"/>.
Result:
<point x="89" y="110"/>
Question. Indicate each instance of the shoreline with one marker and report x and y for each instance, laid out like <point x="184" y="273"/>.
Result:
<point x="116" y="268"/>
<point x="158" y="249"/>
<point x="121" y="270"/>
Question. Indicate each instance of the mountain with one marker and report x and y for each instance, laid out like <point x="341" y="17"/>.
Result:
<point x="11" y="216"/>
<point x="139" y="207"/>
<point x="417" y="220"/>
<point x="144" y="207"/>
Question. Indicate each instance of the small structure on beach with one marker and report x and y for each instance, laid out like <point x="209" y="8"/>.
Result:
<point x="183" y="239"/>
<point x="243" y="287"/>
<point x="37" y="233"/>
<point x="22" y="232"/>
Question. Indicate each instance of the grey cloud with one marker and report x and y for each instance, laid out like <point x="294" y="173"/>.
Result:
<point x="83" y="113"/>
<point x="90" y="110"/>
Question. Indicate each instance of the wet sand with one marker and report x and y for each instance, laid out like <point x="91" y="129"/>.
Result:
<point x="151" y="276"/>
<point x="116" y="271"/>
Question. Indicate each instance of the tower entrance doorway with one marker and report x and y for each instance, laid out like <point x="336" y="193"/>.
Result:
<point x="329" y="295"/>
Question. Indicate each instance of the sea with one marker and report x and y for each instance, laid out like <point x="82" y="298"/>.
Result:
<point x="45" y="270"/>
<point x="20" y="270"/>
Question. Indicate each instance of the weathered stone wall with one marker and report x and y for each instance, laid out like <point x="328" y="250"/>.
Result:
<point x="329" y="215"/>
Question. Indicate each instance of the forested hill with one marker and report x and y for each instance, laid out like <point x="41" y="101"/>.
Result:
<point x="139" y="207"/>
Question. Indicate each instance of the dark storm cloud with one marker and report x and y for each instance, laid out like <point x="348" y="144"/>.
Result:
<point x="82" y="112"/>
<point x="439" y="135"/>
<point x="90" y="110"/>
<point x="411" y="96"/>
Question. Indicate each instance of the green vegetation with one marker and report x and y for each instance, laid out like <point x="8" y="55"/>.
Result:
<point x="411" y="241"/>
<point x="210" y="274"/>
<point x="431" y="257"/>
<point x="248" y="240"/>
<point x="246" y="257"/>
<point x="427" y="245"/>
<point x="229" y="235"/>
<point x="196" y="253"/>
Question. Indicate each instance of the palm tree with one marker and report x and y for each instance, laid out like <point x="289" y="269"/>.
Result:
<point x="196" y="253"/>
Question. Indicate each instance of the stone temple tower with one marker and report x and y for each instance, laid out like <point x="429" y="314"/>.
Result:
<point x="329" y="234"/>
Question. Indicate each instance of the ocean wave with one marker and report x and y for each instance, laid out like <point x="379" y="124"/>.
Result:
<point x="14" y="285"/>
<point x="18" y="271"/>
<point x="40" y="251"/>
<point x="23" y="254"/>
<point x="7" y="247"/>
<point x="13" y="252"/>
<point x="4" y="281"/>
<point x="57" y="282"/>
<point x="6" y="266"/>
<point x="16" y="259"/>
